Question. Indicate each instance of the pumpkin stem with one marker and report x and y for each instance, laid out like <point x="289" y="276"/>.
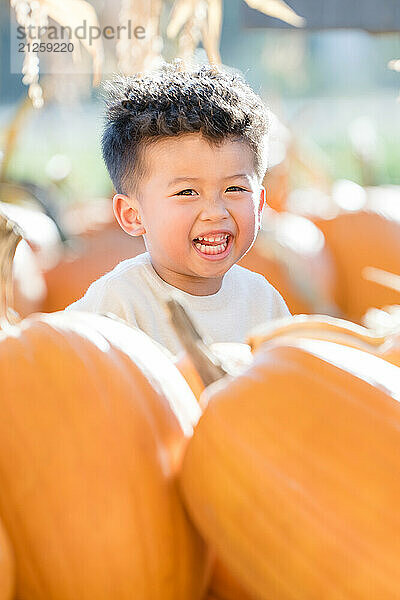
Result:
<point x="10" y="236"/>
<point x="206" y="363"/>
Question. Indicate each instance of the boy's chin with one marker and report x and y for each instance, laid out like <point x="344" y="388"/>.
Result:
<point x="212" y="271"/>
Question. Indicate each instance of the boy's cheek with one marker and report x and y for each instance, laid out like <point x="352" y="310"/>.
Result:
<point x="173" y="242"/>
<point x="254" y="214"/>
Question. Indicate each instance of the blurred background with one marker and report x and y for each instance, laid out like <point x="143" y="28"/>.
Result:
<point x="329" y="71"/>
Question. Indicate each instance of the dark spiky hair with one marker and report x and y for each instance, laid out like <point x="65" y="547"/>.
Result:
<point x="172" y="101"/>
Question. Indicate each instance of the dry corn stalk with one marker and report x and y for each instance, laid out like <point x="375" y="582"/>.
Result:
<point x="28" y="14"/>
<point x="32" y="14"/>
<point x="191" y="33"/>
<point x="190" y="37"/>
<point x="278" y="9"/>
<point x="192" y="20"/>
<point x="73" y="13"/>
<point x="133" y="54"/>
<point x="212" y="30"/>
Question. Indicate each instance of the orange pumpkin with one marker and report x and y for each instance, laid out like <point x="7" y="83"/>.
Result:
<point x="359" y="240"/>
<point x="95" y="419"/>
<point x="276" y="182"/>
<point x="225" y="586"/>
<point x="323" y="327"/>
<point x="291" y="253"/>
<point x="298" y="461"/>
<point x="7" y="567"/>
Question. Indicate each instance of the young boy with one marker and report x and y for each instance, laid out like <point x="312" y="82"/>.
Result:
<point x="186" y="152"/>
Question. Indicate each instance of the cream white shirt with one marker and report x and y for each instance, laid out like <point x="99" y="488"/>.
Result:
<point x="135" y="292"/>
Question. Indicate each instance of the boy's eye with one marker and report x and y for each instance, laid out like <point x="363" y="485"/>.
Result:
<point x="236" y="187"/>
<point x="183" y="192"/>
<point x="191" y="192"/>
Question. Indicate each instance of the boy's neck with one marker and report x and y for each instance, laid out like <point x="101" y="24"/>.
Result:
<point x="197" y="286"/>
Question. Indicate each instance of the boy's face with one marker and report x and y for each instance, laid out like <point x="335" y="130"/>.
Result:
<point x="194" y="189"/>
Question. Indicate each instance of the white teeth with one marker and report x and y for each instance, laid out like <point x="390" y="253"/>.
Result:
<point x="212" y="249"/>
<point x="214" y="238"/>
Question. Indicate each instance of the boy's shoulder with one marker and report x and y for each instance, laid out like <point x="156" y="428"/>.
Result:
<point x="250" y="278"/>
<point x="258" y="291"/>
<point x="123" y="270"/>
<point x="129" y="264"/>
<point x="111" y="285"/>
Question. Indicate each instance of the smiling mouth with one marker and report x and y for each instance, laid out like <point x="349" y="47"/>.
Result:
<point x="211" y="249"/>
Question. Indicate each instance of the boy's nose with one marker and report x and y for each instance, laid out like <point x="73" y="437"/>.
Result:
<point x="214" y="208"/>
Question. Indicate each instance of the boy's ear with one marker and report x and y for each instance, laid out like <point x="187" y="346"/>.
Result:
<point x="262" y="204"/>
<point x="126" y="211"/>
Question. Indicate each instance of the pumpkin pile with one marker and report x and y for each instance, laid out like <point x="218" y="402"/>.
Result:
<point x="291" y="472"/>
<point x="7" y="566"/>
<point x="115" y="484"/>
<point x="95" y="420"/>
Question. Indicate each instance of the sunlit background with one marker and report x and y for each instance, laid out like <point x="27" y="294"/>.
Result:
<point x="331" y="239"/>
